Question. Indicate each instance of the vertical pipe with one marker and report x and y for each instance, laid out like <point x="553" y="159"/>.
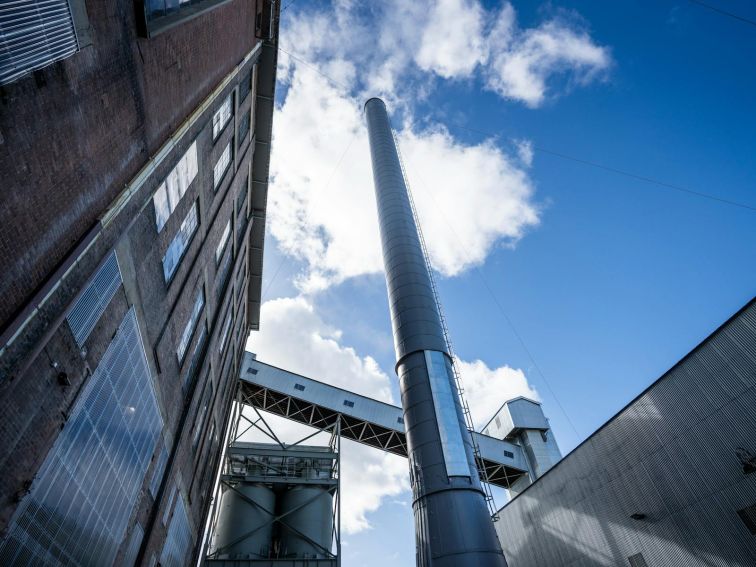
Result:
<point x="452" y="523"/>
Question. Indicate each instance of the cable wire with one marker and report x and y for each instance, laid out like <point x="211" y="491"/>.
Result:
<point x="617" y="171"/>
<point x="562" y="155"/>
<point x="508" y="320"/>
<point x="287" y="6"/>
<point x="723" y="12"/>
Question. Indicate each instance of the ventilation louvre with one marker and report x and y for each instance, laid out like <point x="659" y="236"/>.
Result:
<point x="34" y="34"/>
<point x="90" y="306"/>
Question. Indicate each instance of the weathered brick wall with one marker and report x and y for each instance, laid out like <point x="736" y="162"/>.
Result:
<point x="73" y="134"/>
<point x="33" y="404"/>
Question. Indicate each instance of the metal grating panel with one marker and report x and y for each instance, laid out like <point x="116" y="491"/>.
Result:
<point x="79" y="505"/>
<point x="179" y="538"/>
<point x="34" y="34"/>
<point x="88" y="309"/>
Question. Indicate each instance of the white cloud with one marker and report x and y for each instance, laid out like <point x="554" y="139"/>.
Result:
<point x="322" y="208"/>
<point x="468" y="197"/>
<point x="486" y="388"/>
<point x="294" y="337"/>
<point x="452" y="42"/>
<point x="524" y="63"/>
<point x="525" y="151"/>
<point x="297" y="339"/>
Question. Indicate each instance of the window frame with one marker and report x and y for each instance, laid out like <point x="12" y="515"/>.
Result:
<point x="194" y="209"/>
<point x="225" y="332"/>
<point x="218" y="178"/>
<point x="248" y="78"/>
<point x="228" y="102"/>
<point x="223" y="242"/>
<point x="190" y="328"/>
<point x="246" y="118"/>
<point x="174" y="186"/>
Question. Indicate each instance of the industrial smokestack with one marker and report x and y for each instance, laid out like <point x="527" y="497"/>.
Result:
<point x="452" y="522"/>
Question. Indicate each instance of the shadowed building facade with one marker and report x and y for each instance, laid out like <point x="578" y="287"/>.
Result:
<point x="134" y="148"/>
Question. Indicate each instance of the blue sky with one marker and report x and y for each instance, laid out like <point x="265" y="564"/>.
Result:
<point x="607" y="280"/>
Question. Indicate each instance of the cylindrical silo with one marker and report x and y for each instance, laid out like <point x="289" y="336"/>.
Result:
<point x="312" y="516"/>
<point x="238" y="517"/>
<point x="452" y="522"/>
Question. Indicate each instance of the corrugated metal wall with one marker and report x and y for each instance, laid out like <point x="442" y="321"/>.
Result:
<point x="665" y="482"/>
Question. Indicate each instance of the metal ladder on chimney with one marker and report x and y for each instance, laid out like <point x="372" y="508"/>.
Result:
<point x="457" y="378"/>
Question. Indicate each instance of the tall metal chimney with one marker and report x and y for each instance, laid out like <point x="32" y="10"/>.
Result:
<point x="452" y="522"/>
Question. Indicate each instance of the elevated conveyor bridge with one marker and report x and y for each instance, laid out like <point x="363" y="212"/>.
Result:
<point x="363" y="419"/>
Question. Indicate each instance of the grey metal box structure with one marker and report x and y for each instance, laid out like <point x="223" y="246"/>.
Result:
<point x="669" y="481"/>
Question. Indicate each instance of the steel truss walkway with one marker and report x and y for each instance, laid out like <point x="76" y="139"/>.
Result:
<point x="363" y="419"/>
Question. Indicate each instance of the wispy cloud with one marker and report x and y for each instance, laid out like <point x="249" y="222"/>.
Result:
<point x="524" y="62"/>
<point x="323" y="209"/>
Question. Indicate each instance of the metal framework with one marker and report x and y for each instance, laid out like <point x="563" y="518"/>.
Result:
<point x="270" y="389"/>
<point x="273" y="464"/>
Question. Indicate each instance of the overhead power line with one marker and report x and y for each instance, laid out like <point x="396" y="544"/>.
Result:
<point x="562" y="155"/>
<point x="496" y="301"/>
<point x="723" y="12"/>
<point x="617" y="171"/>
<point x="287" y="6"/>
<point x="645" y="179"/>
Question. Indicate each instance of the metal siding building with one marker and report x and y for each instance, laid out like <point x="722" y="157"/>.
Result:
<point x="669" y="481"/>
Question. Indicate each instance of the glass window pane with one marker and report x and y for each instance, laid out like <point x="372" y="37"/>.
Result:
<point x="162" y="209"/>
<point x="178" y="245"/>
<point x="191" y="324"/>
<point x="191" y="162"/>
<point x="222" y="116"/>
<point x="222" y="164"/>
<point x="171" y="185"/>
<point x="223" y="241"/>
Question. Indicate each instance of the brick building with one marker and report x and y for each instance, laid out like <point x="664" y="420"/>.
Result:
<point x="134" y="151"/>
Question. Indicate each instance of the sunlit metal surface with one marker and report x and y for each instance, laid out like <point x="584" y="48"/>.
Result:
<point x="449" y="429"/>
